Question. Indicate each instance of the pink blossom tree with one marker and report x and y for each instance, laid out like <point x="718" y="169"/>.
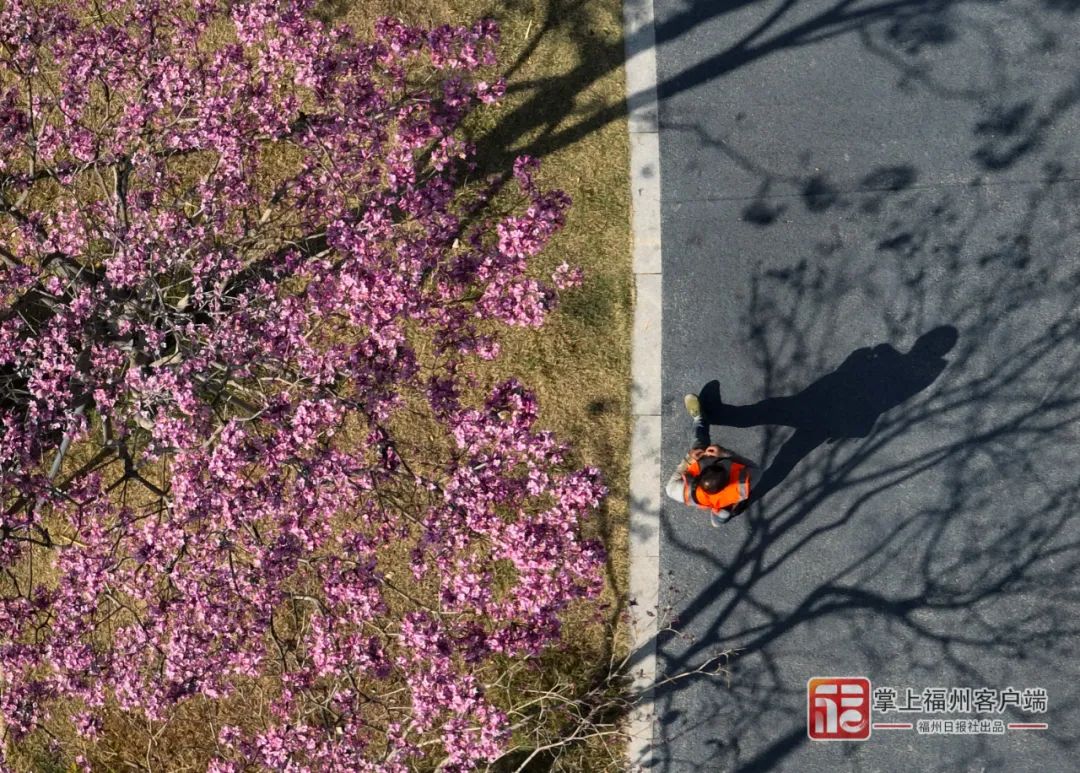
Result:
<point x="245" y="284"/>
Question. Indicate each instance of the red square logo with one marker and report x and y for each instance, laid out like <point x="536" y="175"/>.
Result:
<point x="838" y="708"/>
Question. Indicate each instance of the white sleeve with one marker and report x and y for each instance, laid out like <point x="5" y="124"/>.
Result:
<point x="674" y="487"/>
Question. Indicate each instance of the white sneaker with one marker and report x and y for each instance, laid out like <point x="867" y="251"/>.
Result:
<point x="693" y="406"/>
<point x="719" y="519"/>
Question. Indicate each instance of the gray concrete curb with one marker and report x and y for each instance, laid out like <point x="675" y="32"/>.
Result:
<point x="645" y="471"/>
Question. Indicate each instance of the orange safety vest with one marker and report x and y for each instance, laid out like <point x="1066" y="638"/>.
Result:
<point x="736" y="490"/>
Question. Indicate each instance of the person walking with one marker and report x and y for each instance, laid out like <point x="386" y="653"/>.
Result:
<point x="711" y="477"/>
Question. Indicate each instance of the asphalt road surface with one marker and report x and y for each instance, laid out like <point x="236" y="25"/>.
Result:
<point x="871" y="223"/>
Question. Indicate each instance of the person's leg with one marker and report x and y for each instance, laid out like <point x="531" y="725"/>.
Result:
<point x="701" y="425"/>
<point x="701" y="433"/>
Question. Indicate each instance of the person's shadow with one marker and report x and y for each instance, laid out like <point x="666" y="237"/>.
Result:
<point x="844" y="404"/>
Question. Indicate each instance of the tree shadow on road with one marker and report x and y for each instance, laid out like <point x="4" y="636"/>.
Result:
<point x="938" y="542"/>
<point x="553" y="112"/>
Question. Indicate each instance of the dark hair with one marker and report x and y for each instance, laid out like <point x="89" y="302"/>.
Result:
<point x="713" y="478"/>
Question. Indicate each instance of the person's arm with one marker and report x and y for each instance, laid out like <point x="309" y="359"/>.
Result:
<point x="721" y="452"/>
<point x="727" y="454"/>
<point x="674" y="487"/>
<point x="743" y="460"/>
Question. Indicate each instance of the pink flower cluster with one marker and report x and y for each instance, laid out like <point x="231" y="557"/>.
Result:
<point x="229" y="273"/>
